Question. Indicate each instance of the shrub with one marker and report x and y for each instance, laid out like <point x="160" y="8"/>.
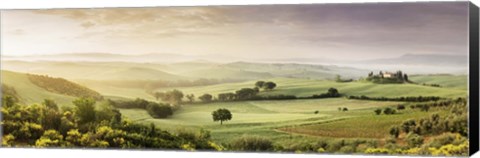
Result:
<point x="347" y="149"/>
<point x="159" y="110"/>
<point x="335" y="145"/>
<point x="381" y="151"/>
<point x="414" y="140"/>
<point x="251" y="143"/>
<point x="388" y="111"/>
<point x="378" y="111"/>
<point x="400" y="107"/>
<point x="394" y="131"/>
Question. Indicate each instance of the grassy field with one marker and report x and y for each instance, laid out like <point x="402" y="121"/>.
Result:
<point x="262" y="118"/>
<point x="449" y="81"/>
<point x="30" y="93"/>
<point x="285" y="121"/>
<point x="307" y="87"/>
<point x="365" y="125"/>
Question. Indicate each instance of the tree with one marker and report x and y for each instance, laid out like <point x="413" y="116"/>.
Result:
<point x="85" y="109"/>
<point x="245" y="93"/>
<point x="259" y="84"/>
<point x="425" y="108"/>
<point x="345" y="109"/>
<point x="159" y="110"/>
<point x="378" y="111"/>
<point x="269" y="85"/>
<point x="206" y="97"/>
<point x="414" y="140"/>
<point x="191" y="98"/>
<point x="221" y="115"/>
<point x="338" y="78"/>
<point x="173" y="97"/>
<point x="158" y="95"/>
<point x="333" y="92"/>
<point x="405" y="77"/>
<point x="50" y="104"/>
<point x="8" y="101"/>
<point x="395" y="131"/>
<point x="226" y="96"/>
<point x="388" y="111"/>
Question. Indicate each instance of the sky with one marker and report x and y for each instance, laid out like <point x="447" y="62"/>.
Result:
<point x="332" y="31"/>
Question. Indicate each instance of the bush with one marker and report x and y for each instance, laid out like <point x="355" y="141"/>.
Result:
<point x="400" y="107"/>
<point x="206" y="97"/>
<point x="251" y="143"/>
<point x="347" y="149"/>
<point x="414" y="140"/>
<point x="378" y="111"/>
<point x="335" y="146"/>
<point x="388" y="111"/>
<point x="394" y="131"/>
<point x="159" y="110"/>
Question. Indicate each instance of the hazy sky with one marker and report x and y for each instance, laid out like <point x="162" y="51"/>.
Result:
<point x="336" y="31"/>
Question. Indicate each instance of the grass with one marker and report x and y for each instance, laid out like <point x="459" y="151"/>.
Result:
<point x="30" y="93"/>
<point x="449" y="81"/>
<point x="307" y="87"/>
<point x="365" y="125"/>
<point x="261" y="118"/>
<point x="286" y="121"/>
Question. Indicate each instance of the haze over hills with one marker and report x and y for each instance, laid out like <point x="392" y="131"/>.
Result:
<point x="179" y="71"/>
<point x="412" y="63"/>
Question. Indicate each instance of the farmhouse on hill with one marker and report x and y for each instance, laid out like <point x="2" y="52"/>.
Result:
<point x="388" y="77"/>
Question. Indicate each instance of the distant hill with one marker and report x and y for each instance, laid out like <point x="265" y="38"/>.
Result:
<point x="93" y="70"/>
<point x="137" y="73"/>
<point x="220" y="72"/>
<point x="294" y="70"/>
<point x="308" y="87"/>
<point x="190" y="70"/>
<point x="428" y="59"/>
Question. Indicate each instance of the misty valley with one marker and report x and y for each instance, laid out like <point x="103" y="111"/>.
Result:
<point x="236" y="106"/>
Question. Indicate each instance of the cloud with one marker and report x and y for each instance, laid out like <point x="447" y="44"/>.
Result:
<point x="375" y="28"/>
<point x="147" y="22"/>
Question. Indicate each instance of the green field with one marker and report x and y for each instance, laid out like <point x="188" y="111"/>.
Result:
<point x="282" y="121"/>
<point x="449" y="81"/>
<point x="259" y="117"/>
<point x="30" y="93"/>
<point x="307" y="87"/>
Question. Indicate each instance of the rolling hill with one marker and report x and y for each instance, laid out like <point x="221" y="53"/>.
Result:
<point x="444" y="80"/>
<point x="30" y="93"/>
<point x="180" y="71"/>
<point x="308" y="87"/>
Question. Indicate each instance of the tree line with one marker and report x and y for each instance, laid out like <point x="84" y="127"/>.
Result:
<point x="403" y="99"/>
<point x="63" y="86"/>
<point x="156" y="110"/>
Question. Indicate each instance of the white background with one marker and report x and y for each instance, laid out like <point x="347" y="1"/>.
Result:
<point x="82" y="153"/>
